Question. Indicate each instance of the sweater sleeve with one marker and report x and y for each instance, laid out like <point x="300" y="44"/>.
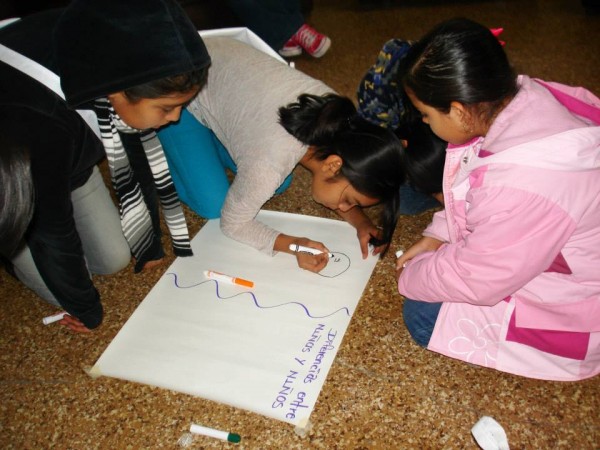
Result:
<point x="253" y="186"/>
<point x="59" y="165"/>
<point x="513" y="236"/>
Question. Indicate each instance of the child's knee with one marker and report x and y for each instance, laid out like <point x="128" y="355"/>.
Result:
<point x="117" y="259"/>
<point x="419" y="318"/>
<point x="121" y="259"/>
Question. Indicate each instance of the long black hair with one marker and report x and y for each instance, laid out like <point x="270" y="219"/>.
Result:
<point x="16" y="194"/>
<point x="459" y="61"/>
<point x="424" y="155"/>
<point x="371" y="155"/>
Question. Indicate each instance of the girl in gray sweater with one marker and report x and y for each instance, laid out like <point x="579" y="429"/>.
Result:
<point x="236" y="123"/>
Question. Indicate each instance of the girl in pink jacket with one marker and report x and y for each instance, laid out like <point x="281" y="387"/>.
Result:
<point x="508" y="275"/>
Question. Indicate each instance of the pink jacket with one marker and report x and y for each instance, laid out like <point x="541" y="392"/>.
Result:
<point x="519" y="274"/>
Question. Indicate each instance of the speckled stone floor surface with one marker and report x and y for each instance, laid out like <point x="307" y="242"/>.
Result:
<point x="383" y="391"/>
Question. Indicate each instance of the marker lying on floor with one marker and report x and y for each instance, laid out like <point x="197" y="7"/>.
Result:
<point x="224" y="435"/>
<point x="53" y="318"/>
<point x="227" y="279"/>
<point x="302" y="249"/>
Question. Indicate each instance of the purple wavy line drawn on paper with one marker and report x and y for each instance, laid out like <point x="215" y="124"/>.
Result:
<point x="254" y="299"/>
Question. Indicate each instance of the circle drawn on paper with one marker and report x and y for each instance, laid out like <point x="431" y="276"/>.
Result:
<point x="337" y="265"/>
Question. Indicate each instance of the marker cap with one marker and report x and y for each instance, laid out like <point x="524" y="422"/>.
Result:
<point x="243" y="282"/>
<point x="234" y="437"/>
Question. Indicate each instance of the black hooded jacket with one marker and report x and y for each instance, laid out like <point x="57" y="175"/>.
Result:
<point x="88" y="46"/>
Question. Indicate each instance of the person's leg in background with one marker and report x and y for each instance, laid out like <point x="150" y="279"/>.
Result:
<point x="274" y="21"/>
<point x="413" y="202"/>
<point x="420" y="318"/>
<point x="281" y="24"/>
<point x="196" y="162"/>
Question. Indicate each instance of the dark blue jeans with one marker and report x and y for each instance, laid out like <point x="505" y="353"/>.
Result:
<point x="414" y="202"/>
<point x="420" y="318"/>
<point x="274" y="21"/>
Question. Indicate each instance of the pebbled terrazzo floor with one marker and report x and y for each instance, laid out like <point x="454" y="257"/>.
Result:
<point x="383" y="392"/>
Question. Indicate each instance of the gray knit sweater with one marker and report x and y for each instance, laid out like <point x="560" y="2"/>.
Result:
<point x="239" y="104"/>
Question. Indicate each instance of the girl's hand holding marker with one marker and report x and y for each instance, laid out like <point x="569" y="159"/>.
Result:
<point x="400" y="263"/>
<point x="311" y="258"/>
<point x="302" y="249"/>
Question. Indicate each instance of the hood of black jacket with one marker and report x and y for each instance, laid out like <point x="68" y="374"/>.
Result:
<point x="106" y="46"/>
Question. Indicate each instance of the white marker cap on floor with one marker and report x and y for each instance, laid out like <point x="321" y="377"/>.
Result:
<point x="489" y="434"/>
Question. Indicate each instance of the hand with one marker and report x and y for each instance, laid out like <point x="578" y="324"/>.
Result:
<point x="306" y="261"/>
<point x="425" y="244"/>
<point x="152" y="264"/>
<point x="74" y="324"/>
<point x="365" y="232"/>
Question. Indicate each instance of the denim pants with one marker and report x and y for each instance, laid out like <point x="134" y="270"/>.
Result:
<point x="420" y="318"/>
<point x="274" y="21"/>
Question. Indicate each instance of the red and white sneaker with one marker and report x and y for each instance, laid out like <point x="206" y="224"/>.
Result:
<point x="290" y="49"/>
<point x="313" y="42"/>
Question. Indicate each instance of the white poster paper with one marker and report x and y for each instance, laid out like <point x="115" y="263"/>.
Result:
<point x="266" y="349"/>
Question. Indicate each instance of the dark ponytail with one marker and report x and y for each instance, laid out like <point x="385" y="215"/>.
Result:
<point x="424" y="156"/>
<point x="371" y="155"/>
<point x="316" y="120"/>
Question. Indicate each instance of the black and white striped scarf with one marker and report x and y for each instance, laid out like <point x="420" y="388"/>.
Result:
<point x="135" y="217"/>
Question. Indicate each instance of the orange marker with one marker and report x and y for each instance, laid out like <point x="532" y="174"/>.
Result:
<point x="227" y="279"/>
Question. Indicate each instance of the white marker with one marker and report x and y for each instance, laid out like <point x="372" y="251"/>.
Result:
<point x="224" y="435"/>
<point x="302" y="249"/>
<point x="53" y="318"/>
<point x="399" y="253"/>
